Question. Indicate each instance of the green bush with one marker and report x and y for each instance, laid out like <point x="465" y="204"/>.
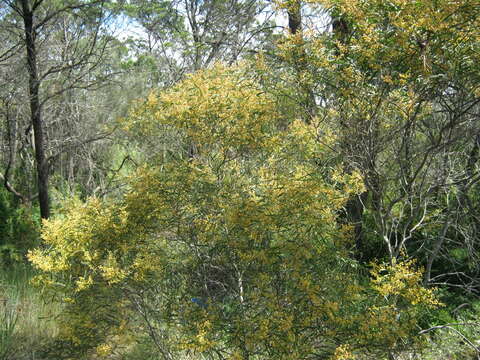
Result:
<point x="19" y="229"/>
<point x="234" y="250"/>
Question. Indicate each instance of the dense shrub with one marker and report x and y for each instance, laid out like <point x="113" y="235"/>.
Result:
<point x="233" y="250"/>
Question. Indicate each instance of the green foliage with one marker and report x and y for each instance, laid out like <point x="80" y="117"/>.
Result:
<point x="19" y="229"/>
<point x="233" y="249"/>
<point x="455" y="335"/>
<point x="27" y="320"/>
<point x="390" y="80"/>
<point x="8" y="321"/>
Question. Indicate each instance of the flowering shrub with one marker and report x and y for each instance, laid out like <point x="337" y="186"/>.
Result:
<point x="234" y="251"/>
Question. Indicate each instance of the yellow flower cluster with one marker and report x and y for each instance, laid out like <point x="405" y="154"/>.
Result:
<point x="220" y="107"/>
<point x="402" y="279"/>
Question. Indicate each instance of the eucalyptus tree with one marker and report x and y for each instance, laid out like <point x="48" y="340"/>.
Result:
<point x="185" y="36"/>
<point x="59" y="47"/>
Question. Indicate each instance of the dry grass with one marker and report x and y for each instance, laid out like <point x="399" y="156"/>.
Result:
<point x="27" y="319"/>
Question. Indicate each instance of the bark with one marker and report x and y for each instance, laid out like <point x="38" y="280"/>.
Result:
<point x="8" y="178"/>
<point x="294" y="17"/>
<point x="355" y="207"/>
<point x="12" y="129"/>
<point x="294" y="13"/>
<point x="340" y="29"/>
<point x="354" y="210"/>
<point x="436" y="250"/>
<point x="473" y="159"/>
<point x="36" y="109"/>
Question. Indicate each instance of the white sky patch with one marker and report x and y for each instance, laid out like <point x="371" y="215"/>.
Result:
<point x="127" y="28"/>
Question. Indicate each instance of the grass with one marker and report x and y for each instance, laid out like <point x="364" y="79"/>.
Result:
<point x="27" y="319"/>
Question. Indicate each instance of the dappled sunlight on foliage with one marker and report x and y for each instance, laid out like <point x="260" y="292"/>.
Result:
<point x="235" y="250"/>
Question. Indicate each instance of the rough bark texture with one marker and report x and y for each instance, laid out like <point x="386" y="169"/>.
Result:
<point x="35" y="109"/>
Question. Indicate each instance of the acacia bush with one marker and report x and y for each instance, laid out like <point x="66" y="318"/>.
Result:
<point x="233" y="250"/>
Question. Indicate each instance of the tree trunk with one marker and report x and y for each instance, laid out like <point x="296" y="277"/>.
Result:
<point x="354" y="210"/>
<point x="355" y="207"/>
<point x="35" y="109"/>
<point x="308" y="102"/>
<point x="294" y="17"/>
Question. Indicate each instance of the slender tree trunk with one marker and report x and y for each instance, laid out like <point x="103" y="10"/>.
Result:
<point x="436" y="250"/>
<point x="35" y="109"/>
<point x="355" y="206"/>
<point x="354" y="210"/>
<point x="294" y="12"/>
<point x="12" y="129"/>
<point x="294" y="17"/>
<point x="8" y="178"/>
